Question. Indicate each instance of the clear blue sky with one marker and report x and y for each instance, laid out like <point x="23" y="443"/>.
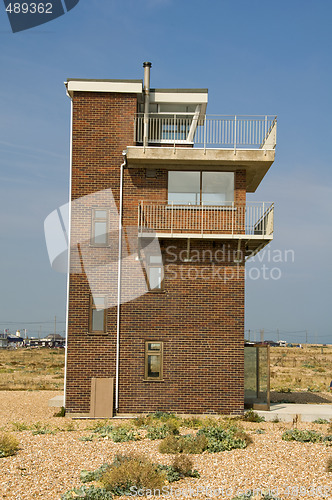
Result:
<point x="254" y="56"/>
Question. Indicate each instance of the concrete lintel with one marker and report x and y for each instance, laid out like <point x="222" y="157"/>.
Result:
<point x="256" y="162"/>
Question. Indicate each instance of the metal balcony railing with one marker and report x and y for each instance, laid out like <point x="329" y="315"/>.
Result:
<point x="253" y="219"/>
<point x="212" y="131"/>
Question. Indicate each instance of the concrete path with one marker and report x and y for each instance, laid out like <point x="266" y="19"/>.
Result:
<point x="286" y="412"/>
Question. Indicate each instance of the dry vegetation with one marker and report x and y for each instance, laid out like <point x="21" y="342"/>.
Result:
<point x="292" y="369"/>
<point x="53" y="452"/>
<point x="31" y="369"/>
<point x="296" y="370"/>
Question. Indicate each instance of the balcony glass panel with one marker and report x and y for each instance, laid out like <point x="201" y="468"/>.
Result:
<point x="184" y="188"/>
<point x="217" y="188"/>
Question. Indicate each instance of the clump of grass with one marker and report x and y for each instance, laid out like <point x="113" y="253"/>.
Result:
<point x="159" y="430"/>
<point x="183" y="444"/>
<point x="20" y="426"/>
<point x="329" y="465"/>
<point x="192" y="422"/>
<point x="182" y="467"/>
<point x="69" y="427"/>
<point x="119" y="434"/>
<point x="87" y="438"/>
<point x="320" y="421"/>
<point x="9" y="445"/>
<point x="252" y="416"/>
<point x="129" y="473"/>
<point x="304" y="436"/>
<point x="60" y="413"/>
<point x="40" y="428"/>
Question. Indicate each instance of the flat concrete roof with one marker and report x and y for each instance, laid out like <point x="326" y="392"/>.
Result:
<point x="256" y="162"/>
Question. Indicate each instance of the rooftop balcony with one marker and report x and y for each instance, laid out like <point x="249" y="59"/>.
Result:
<point x="207" y="131"/>
<point x="251" y="222"/>
<point x="194" y="141"/>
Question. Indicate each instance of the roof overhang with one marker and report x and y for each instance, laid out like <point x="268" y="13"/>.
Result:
<point x="120" y="86"/>
<point x="256" y="162"/>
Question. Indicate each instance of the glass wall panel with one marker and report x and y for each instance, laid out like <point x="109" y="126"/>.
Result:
<point x="184" y="188"/>
<point x="217" y="188"/>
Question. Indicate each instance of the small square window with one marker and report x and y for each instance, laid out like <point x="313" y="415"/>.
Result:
<point x="99" y="229"/>
<point x="97" y="316"/>
<point x="153" y="360"/>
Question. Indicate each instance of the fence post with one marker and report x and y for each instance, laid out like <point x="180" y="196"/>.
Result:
<point x="235" y="123"/>
<point x="172" y="218"/>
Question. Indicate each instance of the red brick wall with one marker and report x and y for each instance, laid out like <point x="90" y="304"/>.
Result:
<point x="199" y="316"/>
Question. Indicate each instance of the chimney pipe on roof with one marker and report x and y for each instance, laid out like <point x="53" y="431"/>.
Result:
<point x="146" y="66"/>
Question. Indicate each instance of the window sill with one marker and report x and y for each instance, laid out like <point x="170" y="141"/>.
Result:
<point x="157" y="291"/>
<point x="152" y="380"/>
<point x="94" y="334"/>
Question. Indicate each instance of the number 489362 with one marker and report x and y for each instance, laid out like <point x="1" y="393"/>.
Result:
<point x="32" y="8"/>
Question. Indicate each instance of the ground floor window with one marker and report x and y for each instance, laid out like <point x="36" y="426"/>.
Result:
<point x="153" y="360"/>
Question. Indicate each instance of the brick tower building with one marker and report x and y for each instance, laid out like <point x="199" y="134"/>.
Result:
<point x="163" y="185"/>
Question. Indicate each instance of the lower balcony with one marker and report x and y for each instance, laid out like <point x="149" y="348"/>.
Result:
<point x="251" y="222"/>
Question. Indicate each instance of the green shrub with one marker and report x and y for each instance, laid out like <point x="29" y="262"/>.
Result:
<point x="164" y="416"/>
<point x="61" y="412"/>
<point x="8" y="445"/>
<point x="220" y="439"/>
<point x="129" y="472"/>
<point x="302" y="436"/>
<point x="329" y="465"/>
<point x="328" y="439"/>
<point x="122" y="434"/>
<point x="320" y="421"/>
<point x="252" y="416"/>
<point x="88" y="476"/>
<point x="159" y="431"/>
<point x="104" y="430"/>
<point x="89" y="493"/>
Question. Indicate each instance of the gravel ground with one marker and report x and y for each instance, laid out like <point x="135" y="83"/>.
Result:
<point x="47" y="465"/>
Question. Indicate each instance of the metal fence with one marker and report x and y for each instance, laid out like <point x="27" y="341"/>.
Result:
<point x="253" y="218"/>
<point x="211" y="131"/>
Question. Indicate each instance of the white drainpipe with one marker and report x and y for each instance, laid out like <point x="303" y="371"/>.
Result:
<point x="119" y="289"/>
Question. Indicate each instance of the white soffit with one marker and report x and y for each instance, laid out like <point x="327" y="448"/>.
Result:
<point x="179" y="97"/>
<point x="128" y="87"/>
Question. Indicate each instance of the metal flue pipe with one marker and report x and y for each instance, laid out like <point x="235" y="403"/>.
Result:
<point x="146" y="66"/>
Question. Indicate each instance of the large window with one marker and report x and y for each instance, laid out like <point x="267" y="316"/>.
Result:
<point x="99" y="229"/>
<point x="153" y="360"/>
<point x="196" y="188"/>
<point x="97" y="317"/>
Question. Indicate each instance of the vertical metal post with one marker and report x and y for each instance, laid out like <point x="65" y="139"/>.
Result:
<point x="202" y="219"/>
<point x="235" y="123"/>
<point x="172" y="218"/>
